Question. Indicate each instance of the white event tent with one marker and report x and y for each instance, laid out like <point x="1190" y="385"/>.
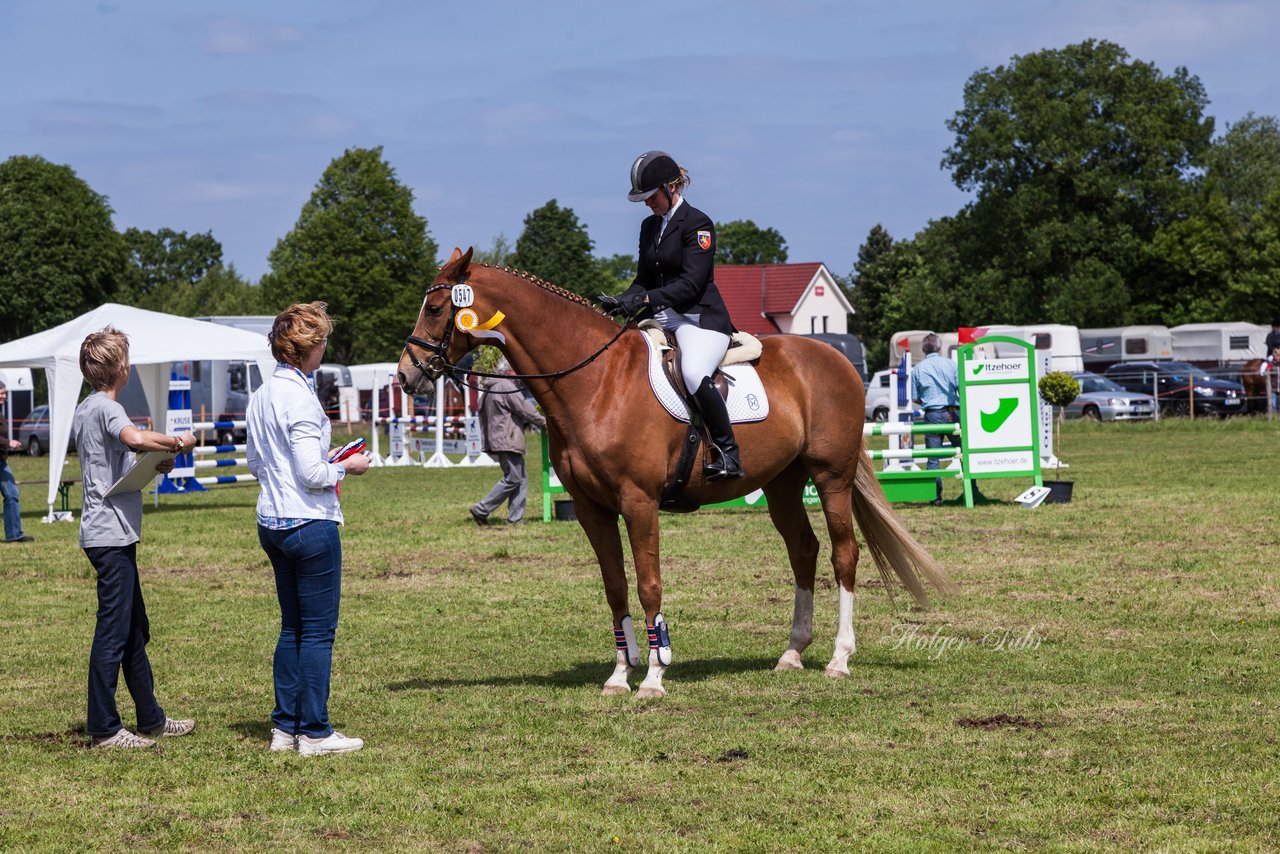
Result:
<point x="155" y="341"/>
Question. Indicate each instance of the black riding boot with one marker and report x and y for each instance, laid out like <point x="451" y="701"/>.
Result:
<point x="726" y="465"/>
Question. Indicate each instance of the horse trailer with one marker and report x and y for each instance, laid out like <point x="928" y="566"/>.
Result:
<point x="1062" y="342"/>
<point x="1107" y="346"/>
<point x="1210" y="344"/>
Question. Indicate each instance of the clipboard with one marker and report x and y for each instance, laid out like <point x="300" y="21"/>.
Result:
<point x="142" y="472"/>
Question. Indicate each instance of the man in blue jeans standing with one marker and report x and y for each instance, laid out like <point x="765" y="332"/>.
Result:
<point x="935" y="385"/>
<point x="8" y="484"/>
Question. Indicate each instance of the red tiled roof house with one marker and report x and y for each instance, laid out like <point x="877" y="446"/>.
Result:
<point x="766" y="299"/>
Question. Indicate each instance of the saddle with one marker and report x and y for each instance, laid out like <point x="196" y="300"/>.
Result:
<point x="743" y="348"/>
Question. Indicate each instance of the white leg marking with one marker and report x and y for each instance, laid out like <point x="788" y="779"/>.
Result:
<point x="651" y="687"/>
<point x="619" y="682"/>
<point x="801" y="631"/>
<point x="846" y="643"/>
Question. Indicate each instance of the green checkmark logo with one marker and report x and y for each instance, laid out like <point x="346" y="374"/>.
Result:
<point x="993" y="421"/>
<point x="977" y="369"/>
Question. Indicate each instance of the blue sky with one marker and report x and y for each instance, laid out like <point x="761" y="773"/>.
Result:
<point x="819" y="119"/>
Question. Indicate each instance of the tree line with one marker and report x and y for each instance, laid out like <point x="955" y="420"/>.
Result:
<point x="1099" y="197"/>
<point x="358" y="245"/>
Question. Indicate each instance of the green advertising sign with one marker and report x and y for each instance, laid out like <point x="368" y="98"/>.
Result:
<point x="1000" y="413"/>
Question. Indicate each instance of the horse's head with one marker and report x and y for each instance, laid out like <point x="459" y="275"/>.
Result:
<point x="443" y="333"/>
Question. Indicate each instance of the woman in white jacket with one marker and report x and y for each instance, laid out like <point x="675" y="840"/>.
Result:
<point x="298" y="517"/>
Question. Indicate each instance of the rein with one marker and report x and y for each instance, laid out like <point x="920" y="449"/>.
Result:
<point x="439" y="361"/>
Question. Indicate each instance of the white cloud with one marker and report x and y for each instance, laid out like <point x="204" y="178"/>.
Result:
<point x="238" y="36"/>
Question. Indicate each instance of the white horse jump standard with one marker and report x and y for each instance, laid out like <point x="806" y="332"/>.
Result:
<point x="917" y="484"/>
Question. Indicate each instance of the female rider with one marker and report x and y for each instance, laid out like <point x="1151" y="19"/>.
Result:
<point x="674" y="281"/>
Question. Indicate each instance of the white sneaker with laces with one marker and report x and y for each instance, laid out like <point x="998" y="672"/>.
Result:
<point x="170" y="727"/>
<point x="282" y="741"/>
<point x="122" y="738"/>
<point x="335" y="742"/>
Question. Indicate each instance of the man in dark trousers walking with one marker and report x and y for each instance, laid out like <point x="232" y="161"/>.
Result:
<point x="505" y="415"/>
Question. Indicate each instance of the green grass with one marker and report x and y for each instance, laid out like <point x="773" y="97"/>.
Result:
<point x="471" y="661"/>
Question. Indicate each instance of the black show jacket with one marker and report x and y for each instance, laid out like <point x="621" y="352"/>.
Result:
<point x="677" y="271"/>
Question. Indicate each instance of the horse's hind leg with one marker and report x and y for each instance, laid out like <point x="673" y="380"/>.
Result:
<point x="785" y="494"/>
<point x="835" y="489"/>
<point x="601" y="526"/>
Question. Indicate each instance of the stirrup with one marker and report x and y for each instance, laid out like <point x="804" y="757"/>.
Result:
<point x="723" y="468"/>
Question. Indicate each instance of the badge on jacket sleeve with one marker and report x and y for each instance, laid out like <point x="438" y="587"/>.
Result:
<point x="704" y="239"/>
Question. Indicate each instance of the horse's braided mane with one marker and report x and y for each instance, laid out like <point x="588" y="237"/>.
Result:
<point x="544" y="284"/>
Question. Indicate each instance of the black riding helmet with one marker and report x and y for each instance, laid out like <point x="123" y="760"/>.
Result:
<point x="651" y="171"/>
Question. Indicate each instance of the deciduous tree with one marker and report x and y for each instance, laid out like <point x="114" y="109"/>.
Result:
<point x="1077" y="158"/>
<point x="743" y="242"/>
<point x="358" y="246"/>
<point x="556" y="247"/>
<point x="165" y="260"/>
<point x="60" y="254"/>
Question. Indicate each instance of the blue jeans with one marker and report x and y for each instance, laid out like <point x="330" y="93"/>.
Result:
<point x="308" y="566"/>
<point x="120" y="640"/>
<point x="12" y="512"/>
<point x="934" y="440"/>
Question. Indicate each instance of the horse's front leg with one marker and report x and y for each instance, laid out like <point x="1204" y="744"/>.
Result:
<point x="601" y="526"/>
<point x="641" y="517"/>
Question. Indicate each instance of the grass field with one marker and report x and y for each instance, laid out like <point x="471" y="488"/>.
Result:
<point x="1107" y="678"/>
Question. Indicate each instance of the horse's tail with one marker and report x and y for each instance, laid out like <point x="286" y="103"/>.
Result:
<point x="890" y="543"/>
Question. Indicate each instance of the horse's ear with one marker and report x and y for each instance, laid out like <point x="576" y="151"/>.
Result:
<point x="456" y="266"/>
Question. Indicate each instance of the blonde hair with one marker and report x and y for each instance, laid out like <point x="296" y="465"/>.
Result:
<point x="297" y="329"/>
<point x="683" y="181"/>
<point x="102" y="355"/>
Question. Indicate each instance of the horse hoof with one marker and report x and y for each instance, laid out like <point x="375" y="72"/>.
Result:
<point x="790" y="661"/>
<point x="833" y="673"/>
<point x="615" y="690"/>
<point x="649" y="693"/>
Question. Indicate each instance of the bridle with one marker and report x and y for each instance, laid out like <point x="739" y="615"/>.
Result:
<point x="438" y="363"/>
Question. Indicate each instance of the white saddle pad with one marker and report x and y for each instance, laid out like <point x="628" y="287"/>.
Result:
<point x="746" y="402"/>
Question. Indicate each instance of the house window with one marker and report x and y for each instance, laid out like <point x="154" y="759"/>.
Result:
<point x="813" y="325"/>
<point x="1135" y="346"/>
<point x="824" y="323"/>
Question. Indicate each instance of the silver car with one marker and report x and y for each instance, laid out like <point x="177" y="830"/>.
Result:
<point x="1102" y="399"/>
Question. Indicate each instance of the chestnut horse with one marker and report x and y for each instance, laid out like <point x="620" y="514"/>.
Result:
<point x="614" y="446"/>
<point x="1255" y="385"/>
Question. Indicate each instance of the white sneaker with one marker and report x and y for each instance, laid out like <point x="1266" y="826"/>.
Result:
<point x="281" y="741"/>
<point x="335" y="742"/>
<point x="170" y="727"/>
<point x="122" y="738"/>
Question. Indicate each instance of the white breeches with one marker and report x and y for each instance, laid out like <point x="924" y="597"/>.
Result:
<point x="701" y="350"/>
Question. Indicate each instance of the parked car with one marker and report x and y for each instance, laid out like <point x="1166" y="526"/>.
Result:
<point x="1172" y="382"/>
<point x="1102" y="399"/>
<point x="879" y="390"/>
<point x="33" y="432"/>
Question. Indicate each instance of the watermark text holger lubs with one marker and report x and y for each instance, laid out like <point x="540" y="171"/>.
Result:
<point x="937" y="642"/>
